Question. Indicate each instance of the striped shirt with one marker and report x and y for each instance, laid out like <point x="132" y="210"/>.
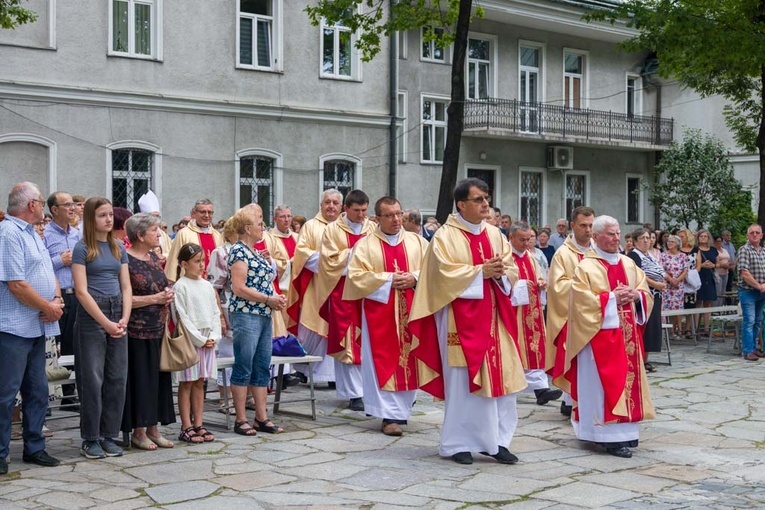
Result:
<point x="24" y="257"/>
<point x="58" y="241"/>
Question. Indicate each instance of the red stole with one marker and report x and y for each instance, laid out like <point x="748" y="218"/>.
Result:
<point x="289" y="244"/>
<point x="618" y="354"/>
<point x="343" y="316"/>
<point x="477" y="322"/>
<point x="391" y="344"/>
<point x="207" y="242"/>
<point x="560" y="345"/>
<point x="300" y="283"/>
<point x="261" y="246"/>
<point x="534" y="336"/>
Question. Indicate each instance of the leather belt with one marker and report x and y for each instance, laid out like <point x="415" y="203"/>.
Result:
<point x="67" y="291"/>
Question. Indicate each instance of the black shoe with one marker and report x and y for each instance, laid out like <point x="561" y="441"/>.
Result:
<point x="356" y="404"/>
<point x="331" y="385"/>
<point x="546" y="395"/>
<point x="3" y="467"/>
<point x="41" y="458"/>
<point x="301" y="378"/>
<point x="462" y="458"/>
<point x="289" y="380"/>
<point x="621" y="451"/>
<point x="503" y="456"/>
<point x="565" y="410"/>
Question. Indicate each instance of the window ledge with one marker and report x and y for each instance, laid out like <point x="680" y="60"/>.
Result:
<point x="240" y="67"/>
<point x="433" y="61"/>
<point x="29" y="47"/>
<point x="146" y="58"/>
<point x="433" y="163"/>
<point x="339" y="78"/>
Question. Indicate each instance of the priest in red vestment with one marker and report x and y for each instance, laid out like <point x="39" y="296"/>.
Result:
<point x="283" y="233"/>
<point x="528" y="299"/>
<point x="604" y="349"/>
<point x="472" y="361"/>
<point x="343" y="317"/>
<point x="382" y="273"/>
<point x="199" y="231"/>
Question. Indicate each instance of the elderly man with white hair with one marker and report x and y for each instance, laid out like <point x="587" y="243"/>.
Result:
<point x="604" y="350"/>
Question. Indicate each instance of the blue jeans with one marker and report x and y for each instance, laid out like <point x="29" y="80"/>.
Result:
<point x="252" y="349"/>
<point x="752" y="304"/>
<point x="22" y="365"/>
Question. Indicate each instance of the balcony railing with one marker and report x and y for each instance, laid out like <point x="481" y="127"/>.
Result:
<point x="548" y="119"/>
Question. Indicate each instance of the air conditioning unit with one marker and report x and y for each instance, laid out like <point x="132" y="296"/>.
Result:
<point x="560" y="158"/>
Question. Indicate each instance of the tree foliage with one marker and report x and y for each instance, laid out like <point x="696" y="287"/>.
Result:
<point x="694" y="179"/>
<point x="712" y="46"/>
<point x="368" y="19"/>
<point x="734" y="214"/>
<point x="12" y="14"/>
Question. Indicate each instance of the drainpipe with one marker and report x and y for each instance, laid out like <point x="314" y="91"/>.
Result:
<point x="393" y="88"/>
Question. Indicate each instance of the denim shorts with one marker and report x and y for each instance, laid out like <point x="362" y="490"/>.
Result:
<point x="252" y="349"/>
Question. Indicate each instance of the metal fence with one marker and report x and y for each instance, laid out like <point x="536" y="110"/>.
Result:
<point x="543" y="119"/>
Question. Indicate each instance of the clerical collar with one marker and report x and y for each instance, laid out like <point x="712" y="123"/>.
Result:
<point x="204" y="230"/>
<point x="355" y="227"/>
<point x="392" y="238"/>
<point x="611" y="258"/>
<point x="474" y="229"/>
<point x="583" y="248"/>
<point x="283" y="233"/>
<point x="519" y="253"/>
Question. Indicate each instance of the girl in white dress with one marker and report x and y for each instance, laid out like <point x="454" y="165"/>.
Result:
<point x="196" y="307"/>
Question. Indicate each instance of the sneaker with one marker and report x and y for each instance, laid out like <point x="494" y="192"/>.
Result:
<point x="110" y="448"/>
<point x="92" y="450"/>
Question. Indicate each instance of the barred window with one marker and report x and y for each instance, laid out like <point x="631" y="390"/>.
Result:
<point x="576" y="191"/>
<point x="532" y="196"/>
<point x="339" y="174"/>
<point x="132" y="176"/>
<point x="256" y="182"/>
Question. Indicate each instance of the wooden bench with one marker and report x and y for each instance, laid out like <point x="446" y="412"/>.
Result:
<point x="280" y="361"/>
<point x="721" y="311"/>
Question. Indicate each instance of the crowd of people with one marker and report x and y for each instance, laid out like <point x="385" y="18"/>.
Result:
<point x="474" y="311"/>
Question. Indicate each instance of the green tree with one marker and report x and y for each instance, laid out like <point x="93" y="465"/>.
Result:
<point x="13" y="15"/>
<point x="694" y="177"/>
<point x="367" y="18"/>
<point x="712" y="46"/>
<point x="734" y="214"/>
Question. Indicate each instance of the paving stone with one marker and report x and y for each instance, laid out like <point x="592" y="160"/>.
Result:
<point x="506" y="483"/>
<point x="338" y="472"/>
<point x="634" y="481"/>
<point x="455" y="494"/>
<point x="217" y="503"/>
<point x="247" y="482"/>
<point x="391" y="498"/>
<point x="25" y="494"/>
<point x="185" y="491"/>
<point x="112" y="494"/>
<point x="65" y="500"/>
<point x="313" y="458"/>
<point x="388" y="479"/>
<point x="176" y="472"/>
<point x="585" y="494"/>
<point x="679" y="473"/>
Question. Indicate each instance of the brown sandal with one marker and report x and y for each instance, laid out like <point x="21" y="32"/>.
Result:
<point x="190" y="436"/>
<point x="208" y="436"/>
<point x="249" y="431"/>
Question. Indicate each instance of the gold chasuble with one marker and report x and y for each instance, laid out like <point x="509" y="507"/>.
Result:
<point x="530" y="317"/>
<point x="288" y="240"/>
<point x="192" y="234"/>
<point x="374" y="261"/>
<point x="564" y="262"/>
<point x="279" y="256"/>
<point x="302" y="301"/>
<point x="618" y="352"/>
<point x="480" y="332"/>
<point x="343" y="317"/>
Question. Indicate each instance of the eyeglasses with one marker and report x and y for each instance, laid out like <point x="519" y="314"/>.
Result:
<point x="399" y="214"/>
<point x="205" y="213"/>
<point x="41" y="202"/>
<point x="68" y="205"/>
<point x="479" y="200"/>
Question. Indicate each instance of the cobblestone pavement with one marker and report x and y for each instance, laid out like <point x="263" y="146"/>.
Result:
<point x="704" y="450"/>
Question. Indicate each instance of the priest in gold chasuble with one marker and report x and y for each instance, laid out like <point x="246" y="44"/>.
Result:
<point x="303" y="318"/>
<point x="382" y="273"/>
<point x="465" y="282"/>
<point x="343" y="317"/>
<point x="604" y="349"/>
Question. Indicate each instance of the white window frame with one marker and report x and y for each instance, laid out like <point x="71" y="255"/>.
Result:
<point x="496" y="194"/>
<point x="637" y="94"/>
<point x="432" y="47"/>
<point x="341" y="156"/>
<point x="355" y="55"/>
<point x="641" y="198"/>
<point x="540" y="70"/>
<point x="587" y="187"/>
<point x="493" y="64"/>
<point x="156" y="30"/>
<point x="543" y="196"/>
<point x="434" y="123"/>
<point x="403" y="44"/>
<point x="584" y="90"/>
<point x="52" y="147"/>
<point x="277" y="176"/>
<point x="277" y="30"/>
<point x="156" y="178"/>
<point x="402" y="110"/>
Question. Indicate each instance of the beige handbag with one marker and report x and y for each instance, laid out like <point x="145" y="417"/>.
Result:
<point x="177" y="352"/>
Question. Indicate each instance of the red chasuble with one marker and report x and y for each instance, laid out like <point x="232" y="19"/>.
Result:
<point x="207" y="242"/>
<point x="289" y="244"/>
<point x="618" y="353"/>
<point x="532" y="318"/>
<point x="560" y="345"/>
<point x="261" y="246"/>
<point x="477" y="321"/>
<point x="341" y="315"/>
<point x="388" y="324"/>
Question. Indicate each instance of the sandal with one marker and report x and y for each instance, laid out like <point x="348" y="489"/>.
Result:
<point x="222" y="409"/>
<point x="144" y="444"/>
<point x="239" y="429"/>
<point x="206" y="435"/>
<point x="649" y="367"/>
<point x="190" y="436"/>
<point x="264" y="426"/>
<point x="250" y="405"/>
<point x="160" y="441"/>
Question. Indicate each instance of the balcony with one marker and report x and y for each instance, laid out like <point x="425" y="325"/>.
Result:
<point x="541" y="121"/>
